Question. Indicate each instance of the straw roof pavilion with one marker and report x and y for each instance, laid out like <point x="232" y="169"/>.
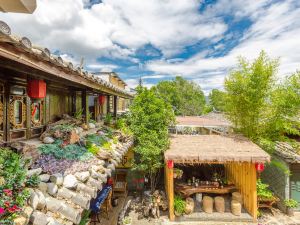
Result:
<point x="214" y="149"/>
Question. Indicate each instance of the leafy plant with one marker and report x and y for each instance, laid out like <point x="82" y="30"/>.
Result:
<point x="95" y="139"/>
<point x="64" y="127"/>
<point x="73" y="151"/>
<point x="263" y="193"/>
<point x="149" y="119"/>
<point x="179" y="204"/>
<point x="107" y="146"/>
<point x="78" y="114"/>
<point x="108" y="119"/>
<point x="33" y="181"/>
<point x="13" y="194"/>
<point x="127" y="220"/>
<point x="291" y="203"/>
<point x="85" y="217"/>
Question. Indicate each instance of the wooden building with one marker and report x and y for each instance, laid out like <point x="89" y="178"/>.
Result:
<point x="18" y="6"/>
<point x="237" y="155"/>
<point x="27" y="70"/>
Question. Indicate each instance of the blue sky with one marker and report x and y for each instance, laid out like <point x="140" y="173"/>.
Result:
<point x="159" y="39"/>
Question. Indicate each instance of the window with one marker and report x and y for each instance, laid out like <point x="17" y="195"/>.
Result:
<point x="37" y="112"/>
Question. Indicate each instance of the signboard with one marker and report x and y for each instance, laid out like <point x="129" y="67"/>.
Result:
<point x="127" y="160"/>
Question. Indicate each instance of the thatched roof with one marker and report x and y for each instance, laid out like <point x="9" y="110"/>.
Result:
<point x="214" y="149"/>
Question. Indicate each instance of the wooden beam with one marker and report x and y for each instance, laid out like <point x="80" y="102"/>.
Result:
<point x="108" y="104"/>
<point x="85" y="105"/>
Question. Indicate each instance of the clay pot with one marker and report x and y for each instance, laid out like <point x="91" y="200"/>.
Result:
<point x="189" y="206"/>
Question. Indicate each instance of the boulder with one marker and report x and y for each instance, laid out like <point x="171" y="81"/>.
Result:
<point x="92" y="126"/>
<point x="44" y="177"/>
<point x="43" y="187"/>
<point x="48" y="140"/>
<point x="82" y="176"/>
<point x="74" y="138"/>
<point x="32" y="172"/>
<point x="52" y="188"/>
<point x="33" y="200"/>
<point x="57" y="179"/>
<point x="42" y="202"/>
<point x="39" y="218"/>
<point x="70" y="181"/>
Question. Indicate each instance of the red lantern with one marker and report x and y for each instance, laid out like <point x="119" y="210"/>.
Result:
<point x="36" y="89"/>
<point x="110" y="181"/>
<point x="170" y="164"/>
<point x="259" y="167"/>
<point x="101" y="99"/>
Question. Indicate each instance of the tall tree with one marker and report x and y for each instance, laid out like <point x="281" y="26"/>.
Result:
<point x="259" y="107"/>
<point x="217" y="100"/>
<point x="186" y="97"/>
<point x="248" y="87"/>
<point x="149" y="120"/>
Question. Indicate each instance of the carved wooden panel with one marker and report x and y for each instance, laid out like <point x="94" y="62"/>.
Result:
<point x="17" y="111"/>
<point x="37" y="113"/>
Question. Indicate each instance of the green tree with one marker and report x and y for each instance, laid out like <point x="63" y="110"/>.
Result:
<point x="149" y="119"/>
<point x="260" y="108"/>
<point x="248" y="88"/>
<point x="186" y="97"/>
<point x="217" y="100"/>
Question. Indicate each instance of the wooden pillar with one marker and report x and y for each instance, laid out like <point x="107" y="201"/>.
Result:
<point x="170" y="191"/>
<point x="85" y="105"/>
<point x="28" y="117"/>
<point x="108" y="104"/>
<point x="74" y="102"/>
<point x="115" y="106"/>
<point x="253" y="191"/>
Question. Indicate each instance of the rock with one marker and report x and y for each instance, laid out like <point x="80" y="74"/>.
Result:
<point x="23" y="218"/>
<point x="32" y="172"/>
<point x="42" y="201"/>
<point x="103" y="155"/>
<point x="58" y="134"/>
<point x="92" y="126"/>
<point x="82" y="176"/>
<point x="94" y="174"/>
<point x="43" y="187"/>
<point x="84" y="127"/>
<point x="79" y="129"/>
<point x="57" y="179"/>
<point x="70" y="181"/>
<point x="52" y="188"/>
<point x="111" y="167"/>
<point x="74" y="138"/>
<point x="44" y="177"/>
<point x="39" y="218"/>
<point x="189" y="206"/>
<point x="48" y="140"/>
<point x="33" y="200"/>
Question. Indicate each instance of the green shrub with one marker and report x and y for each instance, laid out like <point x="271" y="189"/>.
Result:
<point x="33" y="181"/>
<point x="179" y="204"/>
<point x="291" y="203"/>
<point x="263" y="193"/>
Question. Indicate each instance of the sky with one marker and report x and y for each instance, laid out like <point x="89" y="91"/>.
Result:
<point x="160" y="39"/>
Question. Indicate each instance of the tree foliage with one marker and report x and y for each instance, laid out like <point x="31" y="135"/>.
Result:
<point x="149" y="119"/>
<point x="186" y="97"/>
<point x="217" y="100"/>
<point x="260" y="107"/>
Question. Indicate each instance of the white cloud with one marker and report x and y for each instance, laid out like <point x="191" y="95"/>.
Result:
<point x="276" y="30"/>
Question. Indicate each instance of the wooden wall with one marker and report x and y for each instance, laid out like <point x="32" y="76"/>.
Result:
<point x="243" y="175"/>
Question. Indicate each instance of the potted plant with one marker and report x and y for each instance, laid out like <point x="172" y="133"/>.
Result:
<point x="127" y="220"/>
<point x="179" y="205"/>
<point x="177" y="173"/>
<point x="290" y="205"/>
<point x="264" y="194"/>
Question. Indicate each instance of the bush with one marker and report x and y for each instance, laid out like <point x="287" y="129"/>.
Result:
<point x="291" y="203"/>
<point x="179" y="205"/>
<point x="263" y="193"/>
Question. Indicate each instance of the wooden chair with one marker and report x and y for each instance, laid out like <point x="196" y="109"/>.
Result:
<point x="120" y="184"/>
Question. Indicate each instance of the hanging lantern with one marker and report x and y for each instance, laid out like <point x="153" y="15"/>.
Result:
<point x="259" y="167"/>
<point x="170" y="164"/>
<point x="101" y="99"/>
<point x="36" y="89"/>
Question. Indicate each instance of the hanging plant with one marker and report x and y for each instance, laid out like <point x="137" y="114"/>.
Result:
<point x="177" y="173"/>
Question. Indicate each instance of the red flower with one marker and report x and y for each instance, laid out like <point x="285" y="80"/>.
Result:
<point x="2" y="211"/>
<point x="7" y="204"/>
<point x="7" y="192"/>
<point x="13" y="209"/>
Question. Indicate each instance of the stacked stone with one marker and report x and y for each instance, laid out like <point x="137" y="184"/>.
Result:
<point x="60" y="198"/>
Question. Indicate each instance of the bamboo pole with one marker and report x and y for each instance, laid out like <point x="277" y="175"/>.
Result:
<point x="170" y="191"/>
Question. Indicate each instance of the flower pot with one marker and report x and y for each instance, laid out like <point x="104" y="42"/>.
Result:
<point x="177" y="214"/>
<point x="175" y="175"/>
<point x="290" y="211"/>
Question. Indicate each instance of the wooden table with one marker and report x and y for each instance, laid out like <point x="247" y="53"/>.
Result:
<point x="187" y="190"/>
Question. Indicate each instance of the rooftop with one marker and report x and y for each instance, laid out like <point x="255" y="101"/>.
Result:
<point x="214" y="149"/>
<point x="211" y="119"/>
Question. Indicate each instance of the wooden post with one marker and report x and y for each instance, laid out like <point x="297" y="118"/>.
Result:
<point x="85" y="105"/>
<point x="253" y="191"/>
<point x="74" y="102"/>
<point x="170" y="191"/>
<point x="108" y="104"/>
<point x="115" y="106"/>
